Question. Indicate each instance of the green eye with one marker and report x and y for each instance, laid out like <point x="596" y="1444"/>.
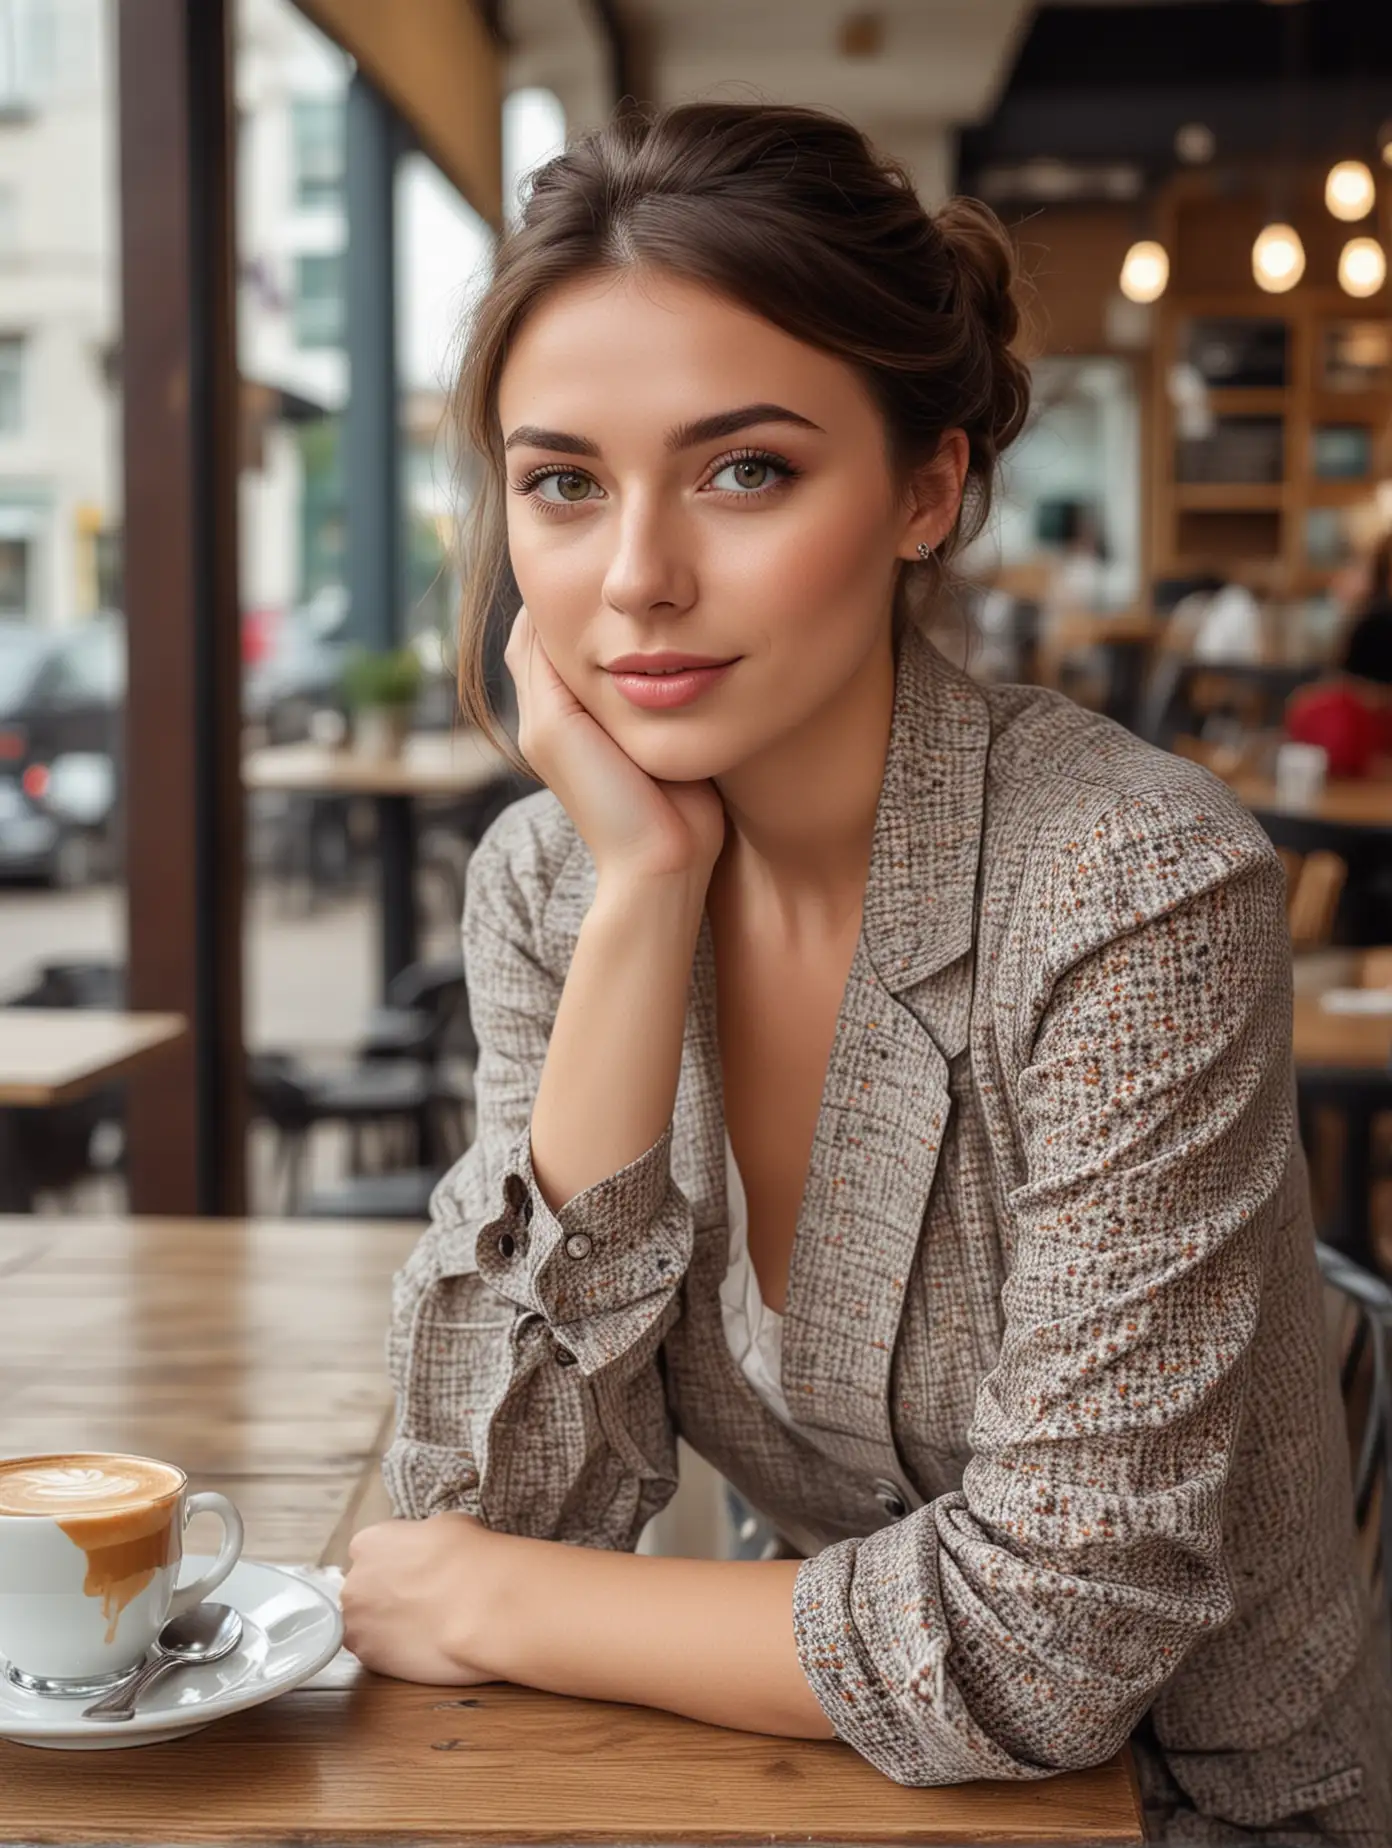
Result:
<point x="750" y="474"/>
<point x="569" y="485"/>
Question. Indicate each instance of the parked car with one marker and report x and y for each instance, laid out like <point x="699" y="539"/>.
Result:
<point x="62" y="693"/>
<point x="298" y="673"/>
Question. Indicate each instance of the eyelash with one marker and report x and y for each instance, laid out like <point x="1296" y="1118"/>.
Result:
<point x="786" y="472"/>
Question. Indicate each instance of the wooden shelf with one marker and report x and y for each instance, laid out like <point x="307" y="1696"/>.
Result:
<point x="1229" y="496"/>
<point x="1319" y="493"/>
<point x="1249" y="401"/>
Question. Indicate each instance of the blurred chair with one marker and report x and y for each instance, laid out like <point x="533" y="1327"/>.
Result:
<point x="402" y="1194"/>
<point x="1314" y="886"/>
<point x="54" y="1146"/>
<point x="398" y="1082"/>
<point x="426" y="1015"/>
<point x="1358" y="1319"/>
<point x="382" y="1094"/>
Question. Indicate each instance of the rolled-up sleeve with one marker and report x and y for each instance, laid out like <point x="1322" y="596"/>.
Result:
<point x="523" y="1344"/>
<point x="1022" y="1624"/>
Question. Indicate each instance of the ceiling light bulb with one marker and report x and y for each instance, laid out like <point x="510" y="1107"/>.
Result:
<point x="1278" y="258"/>
<point x="1145" y="271"/>
<point x="1195" y="143"/>
<point x="1349" y="191"/>
<point x="1362" y="266"/>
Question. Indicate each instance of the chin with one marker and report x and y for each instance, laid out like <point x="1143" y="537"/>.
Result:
<point x="687" y="753"/>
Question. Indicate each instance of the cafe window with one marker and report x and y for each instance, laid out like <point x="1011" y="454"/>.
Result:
<point x="11" y="384"/>
<point x="27" y="31"/>
<point x="319" y="316"/>
<point x="318" y="127"/>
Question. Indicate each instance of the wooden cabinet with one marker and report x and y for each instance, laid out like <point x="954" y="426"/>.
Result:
<point x="1271" y="415"/>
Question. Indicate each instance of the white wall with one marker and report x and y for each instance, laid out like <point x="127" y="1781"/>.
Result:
<point x="59" y="289"/>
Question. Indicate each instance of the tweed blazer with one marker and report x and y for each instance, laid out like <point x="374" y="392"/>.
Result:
<point x="1068" y="1460"/>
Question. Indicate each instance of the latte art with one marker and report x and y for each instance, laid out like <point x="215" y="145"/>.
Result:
<point x="65" y="1486"/>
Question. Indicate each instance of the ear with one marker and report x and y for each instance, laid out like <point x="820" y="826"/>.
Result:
<point x="935" y="494"/>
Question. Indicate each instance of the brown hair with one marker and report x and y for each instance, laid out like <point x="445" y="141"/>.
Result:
<point x="794" y="215"/>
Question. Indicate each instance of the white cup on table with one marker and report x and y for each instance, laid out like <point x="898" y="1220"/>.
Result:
<point x="1301" y="772"/>
<point x="90" y="1548"/>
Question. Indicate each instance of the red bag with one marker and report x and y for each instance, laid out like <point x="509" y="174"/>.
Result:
<point x="1336" y="718"/>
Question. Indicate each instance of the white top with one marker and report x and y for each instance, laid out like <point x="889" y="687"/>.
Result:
<point x="753" y="1331"/>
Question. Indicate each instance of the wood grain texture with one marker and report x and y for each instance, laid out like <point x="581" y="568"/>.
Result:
<point x="252" y="1354"/>
<point x="52" y="1055"/>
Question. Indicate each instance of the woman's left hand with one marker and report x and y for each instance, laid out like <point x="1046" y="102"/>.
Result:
<point x="413" y="1595"/>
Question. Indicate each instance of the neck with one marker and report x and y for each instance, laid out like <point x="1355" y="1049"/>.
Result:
<point x="801" y="815"/>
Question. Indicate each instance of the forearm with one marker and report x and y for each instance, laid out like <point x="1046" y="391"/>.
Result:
<point x="706" y="1638"/>
<point x="609" y="1082"/>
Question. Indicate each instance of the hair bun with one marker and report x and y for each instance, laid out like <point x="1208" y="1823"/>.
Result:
<point x="990" y="288"/>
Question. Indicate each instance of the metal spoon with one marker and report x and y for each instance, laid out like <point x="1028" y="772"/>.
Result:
<point x="205" y="1634"/>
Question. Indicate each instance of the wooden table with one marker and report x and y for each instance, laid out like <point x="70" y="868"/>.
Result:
<point x="251" y="1353"/>
<point x="1343" y="803"/>
<point x="53" y="1055"/>
<point x="432" y="764"/>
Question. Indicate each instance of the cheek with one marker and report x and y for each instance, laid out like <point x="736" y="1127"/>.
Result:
<point x="816" y="588"/>
<point x="555" y="582"/>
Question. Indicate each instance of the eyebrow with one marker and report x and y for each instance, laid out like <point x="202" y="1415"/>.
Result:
<point x="681" y="436"/>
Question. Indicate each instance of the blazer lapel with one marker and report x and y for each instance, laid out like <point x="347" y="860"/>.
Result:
<point x="885" y="1105"/>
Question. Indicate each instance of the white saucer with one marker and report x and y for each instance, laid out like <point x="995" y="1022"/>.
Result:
<point x="290" y="1629"/>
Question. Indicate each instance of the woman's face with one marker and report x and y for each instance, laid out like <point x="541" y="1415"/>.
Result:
<point x="687" y="479"/>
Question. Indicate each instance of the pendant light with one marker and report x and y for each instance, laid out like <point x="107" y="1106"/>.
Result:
<point x="1278" y="258"/>
<point x="1349" y="191"/>
<point x="1145" y="271"/>
<point x="1362" y="267"/>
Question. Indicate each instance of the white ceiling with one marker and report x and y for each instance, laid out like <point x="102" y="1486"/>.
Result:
<point x="941" y="62"/>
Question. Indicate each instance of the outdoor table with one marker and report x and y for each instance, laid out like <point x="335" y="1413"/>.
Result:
<point x="251" y="1353"/>
<point x="458" y="764"/>
<point x="54" y="1055"/>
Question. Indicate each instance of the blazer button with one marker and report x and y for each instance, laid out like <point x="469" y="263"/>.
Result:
<point x="507" y="1245"/>
<point x="564" y="1357"/>
<point x="578" y="1246"/>
<point x="888" y="1496"/>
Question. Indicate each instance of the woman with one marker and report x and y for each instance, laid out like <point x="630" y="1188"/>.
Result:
<point x="945" y="1032"/>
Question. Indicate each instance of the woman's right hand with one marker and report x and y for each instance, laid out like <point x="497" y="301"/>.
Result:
<point x="632" y="824"/>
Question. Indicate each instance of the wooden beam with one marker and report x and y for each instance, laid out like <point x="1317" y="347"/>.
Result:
<point x="438" y="66"/>
<point x="183" y="799"/>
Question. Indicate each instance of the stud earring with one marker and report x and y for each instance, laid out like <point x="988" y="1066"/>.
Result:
<point x="925" y="551"/>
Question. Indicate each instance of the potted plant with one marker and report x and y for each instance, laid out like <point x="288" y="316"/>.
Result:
<point x="380" y="690"/>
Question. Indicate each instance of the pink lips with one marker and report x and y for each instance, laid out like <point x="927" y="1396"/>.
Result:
<point x="670" y="681"/>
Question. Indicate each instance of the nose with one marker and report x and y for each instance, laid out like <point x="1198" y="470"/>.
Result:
<point x="651" y="568"/>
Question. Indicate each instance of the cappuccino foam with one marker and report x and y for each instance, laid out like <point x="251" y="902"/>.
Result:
<point x="63" y="1487"/>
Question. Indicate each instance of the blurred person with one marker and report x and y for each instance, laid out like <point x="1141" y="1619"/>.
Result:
<point x="1349" y="712"/>
<point x="884" y="1081"/>
<point x="1366" y="592"/>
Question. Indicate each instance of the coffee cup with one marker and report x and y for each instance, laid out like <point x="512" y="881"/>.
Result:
<point x="1301" y="770"/>
<point x="90" y="1548"/>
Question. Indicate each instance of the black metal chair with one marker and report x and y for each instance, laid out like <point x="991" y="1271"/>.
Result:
<point x="398" y="1078"/>
<point x="402" y="1194"/>
<point x="50" y="1148"/>
<point x="377" y="1094"/>
<point x="1359" y="1322"/>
